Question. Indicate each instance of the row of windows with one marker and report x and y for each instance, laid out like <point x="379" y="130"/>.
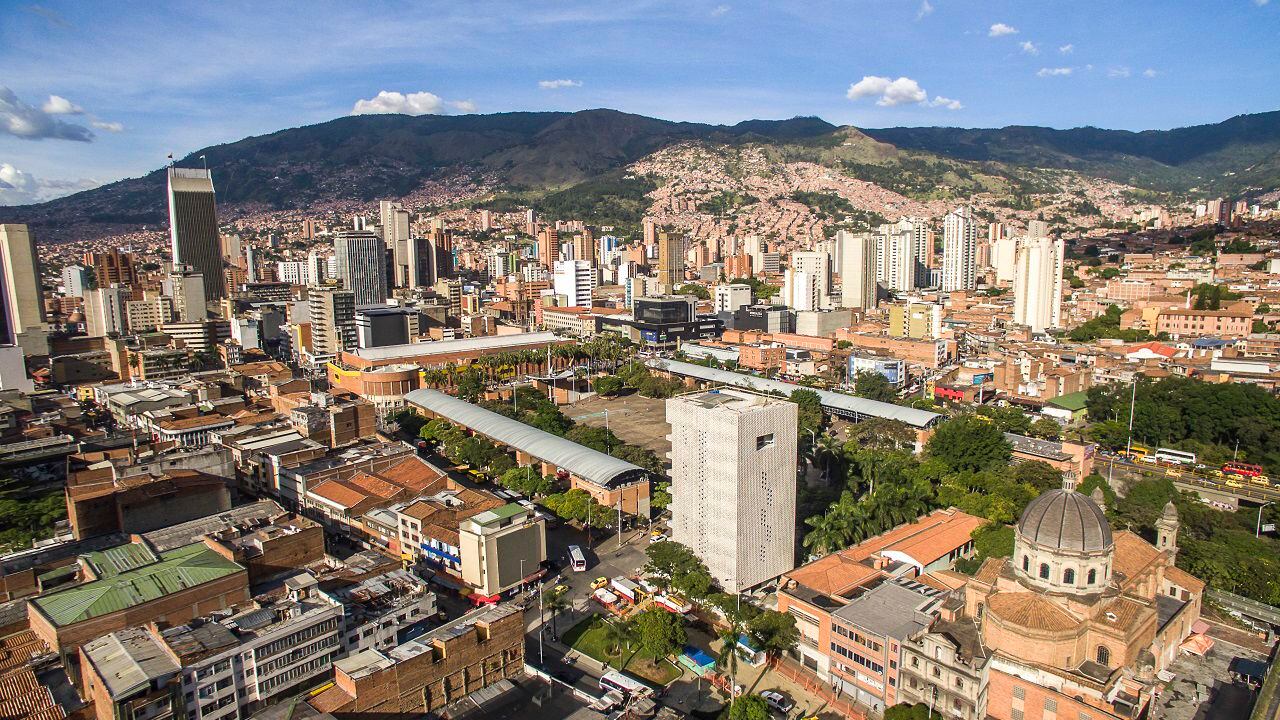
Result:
<point x="303" y="635"/>
<point x="851" y="655"/>
<point x="1068" y="575"/>
<point x="858" y="638"/>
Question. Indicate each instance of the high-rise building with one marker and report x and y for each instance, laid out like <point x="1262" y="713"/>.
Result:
<point x="104" y="311"/>
<point x="858" y="288"/>
<point x="816" y="264"/>
<point x="670" y="262"/>
<point x="317" y="268"/>
<point x="395" y="232"/>
<point x="959" y="250"/>
<point x="896" y="259"/>
<point x="193" y="227"/>
<point x="730" y="297"/>
<point x="450" y="290"/>
<point x="149" y="314"/>
<point x="442" y="250"/>
<point x="922" y="241"/>
<point x="75" y="280"/>
<point x="333" y="320"/>
<point x="112" y="268"/>
<point x="1004" y="251"/>
<point x="548" y="247"/>
<point x="800" y="290"/>
<point x="293" y="272"/>
<point x="916" y="320"/>
<point x="733" y="484"/>
<point x="575" y="279"/>
<point x="22" y="320"/>
<point x="362" y="265"/>
<point x="185" y="287"/>
<point x="530" y="222"/>
<point x="1037" y="282"/>
<point x="232" y="250"/>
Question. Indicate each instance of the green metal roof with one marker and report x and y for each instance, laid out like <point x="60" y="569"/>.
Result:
<point x="179" y="569"/>
<point x="1075" y="402"/>
<point x="499" y="513"/>
<point x="120" y="559"/>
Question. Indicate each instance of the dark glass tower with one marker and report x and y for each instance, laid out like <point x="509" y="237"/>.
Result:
<point x="193" y="227"/>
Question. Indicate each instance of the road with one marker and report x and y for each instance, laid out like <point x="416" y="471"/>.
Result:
<point x="1192" y="479"/>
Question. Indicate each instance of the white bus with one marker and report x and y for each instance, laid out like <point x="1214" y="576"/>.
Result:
<point x="577" y="561"/>
<point x="616" y="681"/>
<point x="1176" y="457"/>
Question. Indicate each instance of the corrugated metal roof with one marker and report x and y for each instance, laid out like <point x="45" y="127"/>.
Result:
<point x="846" y="404"/>
<point x="127" y="660"/>
<point x="176" y="570"/>
<point x="590" y="465"/>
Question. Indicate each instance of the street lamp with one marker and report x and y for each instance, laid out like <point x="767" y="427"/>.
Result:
<point x="1257" y="531"/>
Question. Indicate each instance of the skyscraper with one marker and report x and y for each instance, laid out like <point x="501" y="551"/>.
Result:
<point x="575" y="279"/>
<point x="112" y="268"/>
<point x="333" y="319"/>
<point x="959" y="250"/>
<point x="75" y="280"/>
<point x="896" y="258"/>
<point x="733" y="484"/>
<point x="104" y="311"/>
<point x="1037" y="281"/>
<point x="362" y="266"/>
<point x="395" y="232"/>
<point x="185" y="287"/>
<point x="193" y="227"/>
<point x="817" y="265"/>
<point x="670" y="262"/>
<point x="548" y="247"/>
<point x="857" y="270"/>
<point x="22" y="321"/>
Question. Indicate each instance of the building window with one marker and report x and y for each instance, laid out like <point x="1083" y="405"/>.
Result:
<point x="1050" y="705"/>
<point x="1069" y="576"/>
<point x="1104" y="655"/>
<point x="1044" y="571"/>
<point x="1026" y="564"/>
<point x="1020" y="692"/>
<point x="1093" y="576"/>
<point x="764" y="441"/>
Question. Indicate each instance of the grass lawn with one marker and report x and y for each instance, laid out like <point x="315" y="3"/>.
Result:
<point x="587" y="637"/>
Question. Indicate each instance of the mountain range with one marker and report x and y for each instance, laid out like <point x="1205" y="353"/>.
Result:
<point x="368" y="157"/>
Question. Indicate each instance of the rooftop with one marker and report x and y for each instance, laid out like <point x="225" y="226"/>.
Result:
<point x="128" y="660"/>
<point x="444" y="347"/>
<point x="173" y="571"/>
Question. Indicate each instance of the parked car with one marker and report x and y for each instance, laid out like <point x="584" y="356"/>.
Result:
<point x="599" y="583"/>
<point x="777" y="701"/>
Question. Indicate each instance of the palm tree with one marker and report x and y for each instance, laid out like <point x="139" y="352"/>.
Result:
<point x="617" y="635"/>
<point x="735" y="625"/>
<point x="828" y="449"/>
<point x="555" y="602"/>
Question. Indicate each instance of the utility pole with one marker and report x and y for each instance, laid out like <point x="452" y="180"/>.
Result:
<point x="1128" y="447"/>
<point x="619" y="522"/>
<point x="542" y="622"/>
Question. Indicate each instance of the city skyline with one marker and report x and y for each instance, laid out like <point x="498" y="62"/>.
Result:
<point x="1146" y="66"/>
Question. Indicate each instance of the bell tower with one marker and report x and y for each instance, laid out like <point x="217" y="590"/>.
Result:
<point x="1167" y="530"/>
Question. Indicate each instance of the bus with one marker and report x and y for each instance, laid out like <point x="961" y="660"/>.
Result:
<point x="619" y="682"/>
<point x="577" y="561"/>
<point x="1136" y="453"/>
<point x="1175" y="457"/>
<point x="1242" y="469"/>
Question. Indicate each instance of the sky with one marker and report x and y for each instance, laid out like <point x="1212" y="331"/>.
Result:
<point x="95" y="92"/>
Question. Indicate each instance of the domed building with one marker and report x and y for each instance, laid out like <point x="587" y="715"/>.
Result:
<point x="1080" y="615"/>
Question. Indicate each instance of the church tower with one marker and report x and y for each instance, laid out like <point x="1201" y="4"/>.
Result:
<point x="1167" y="530"/>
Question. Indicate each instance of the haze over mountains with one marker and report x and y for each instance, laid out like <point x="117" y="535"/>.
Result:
<point x="363" y="158"/>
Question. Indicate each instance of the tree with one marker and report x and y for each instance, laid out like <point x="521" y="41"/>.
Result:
<point x="661" y="633"/>
<point x="748" y="707"/>
<point x="1038" y="474"/>
<point x="618" y="635"/>
<point x="1045" y="429"/>
<point x="409" y="421"/>
<point x="527" y="482"/>
<point x="874" y="386"/>
<point x="609" y="385"/>
<point x="577" y="505"/>
<point x="773" y="632"/>
<point x="882" y="434"/>
<point x="918" y="711"/>
<point x="555" y="602"/>
<point x="1007" y="419"/>
<point x="698" y="291"/>
<point x="967" y="443"/>
<point x="470" y="385"/>
<point x="809" y="417"/>
<point x="675" y="566"/>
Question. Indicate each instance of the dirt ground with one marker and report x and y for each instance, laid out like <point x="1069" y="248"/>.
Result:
<point x="637" y="420"/>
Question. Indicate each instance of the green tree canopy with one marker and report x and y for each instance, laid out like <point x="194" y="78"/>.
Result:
<point x="967" y="443"/>
<point x="661" y="633"/>
<point x="874" y="386"/>
<point x="674" y="565"/>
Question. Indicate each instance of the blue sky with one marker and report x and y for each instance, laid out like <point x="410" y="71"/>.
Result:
<point x="141" y="80"/>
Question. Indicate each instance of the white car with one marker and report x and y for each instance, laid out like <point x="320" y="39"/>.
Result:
<point x="658" y="538"/>
<point x="777" y="701"/>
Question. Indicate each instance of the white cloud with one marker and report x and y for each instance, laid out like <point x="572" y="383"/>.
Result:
<point x="1066" y="49"/>
<point x="944" y="102"/>
<point x="21" y="188"/>
<point x="1000" y="29"/>
<point x="719" y="10"/>
<point x="557" y="84"/>
<point x="58" y="105"/>
<point x="1054" y="72"/>
<point x="111" y="127"/>
<point x="1118" y="72"/>
<point x="926" y="9"/>
<point x="903" y="91"/>
<point x="394" y="103"/>
<point x="1260" y="3"/>
<point x="28" y="122"/>
<point x="1149" y="73"/>
<point x="1029" y="47"/>
<point x="464" y="106"/>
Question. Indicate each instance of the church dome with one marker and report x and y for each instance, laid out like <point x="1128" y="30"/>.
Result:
<point x="1065" y="520"/>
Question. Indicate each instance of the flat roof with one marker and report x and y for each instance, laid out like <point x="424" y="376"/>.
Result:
<point x="444" y="347"/>
<point x="179" y="569"/>
<point x="590" y="465"/>
<point x="837" y="403"/>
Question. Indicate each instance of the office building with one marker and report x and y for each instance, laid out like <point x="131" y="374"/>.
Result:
<point x="421" y="269"/>
<point x="575" y="279"/>
<point x="232" y="250"/>
<point x="733" y="484"/>
<point x="362" y="266"/>
<point x="294" y="272"/>
<point x="75" y="280"/>
<point x="729" y="297"/>
<point x="817" y="265"/>
<point x="858" y="253"/>
<point x="800" y="290"/>
<point x="548" y="247"/>
<point x="959" y="250"/>
<point x="112" y="268"/>
<point x="379" y="327"/>
<point x="1037" y="282"/>
<point x="501" y="548"/>
<point x="149" y="314"/>
<point x="104" y="311"/>
<point x="22" y="321"/>
<point x="395" y="233"/>
<point x="193" y="227"/>
<point x="333" y="320"/>
<point x="317" y="268"/>
<point x="185" y="287"/>
<point x="670" y="262"/>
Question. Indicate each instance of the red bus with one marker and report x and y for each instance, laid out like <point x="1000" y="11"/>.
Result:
<point x="1241" y="469"/>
